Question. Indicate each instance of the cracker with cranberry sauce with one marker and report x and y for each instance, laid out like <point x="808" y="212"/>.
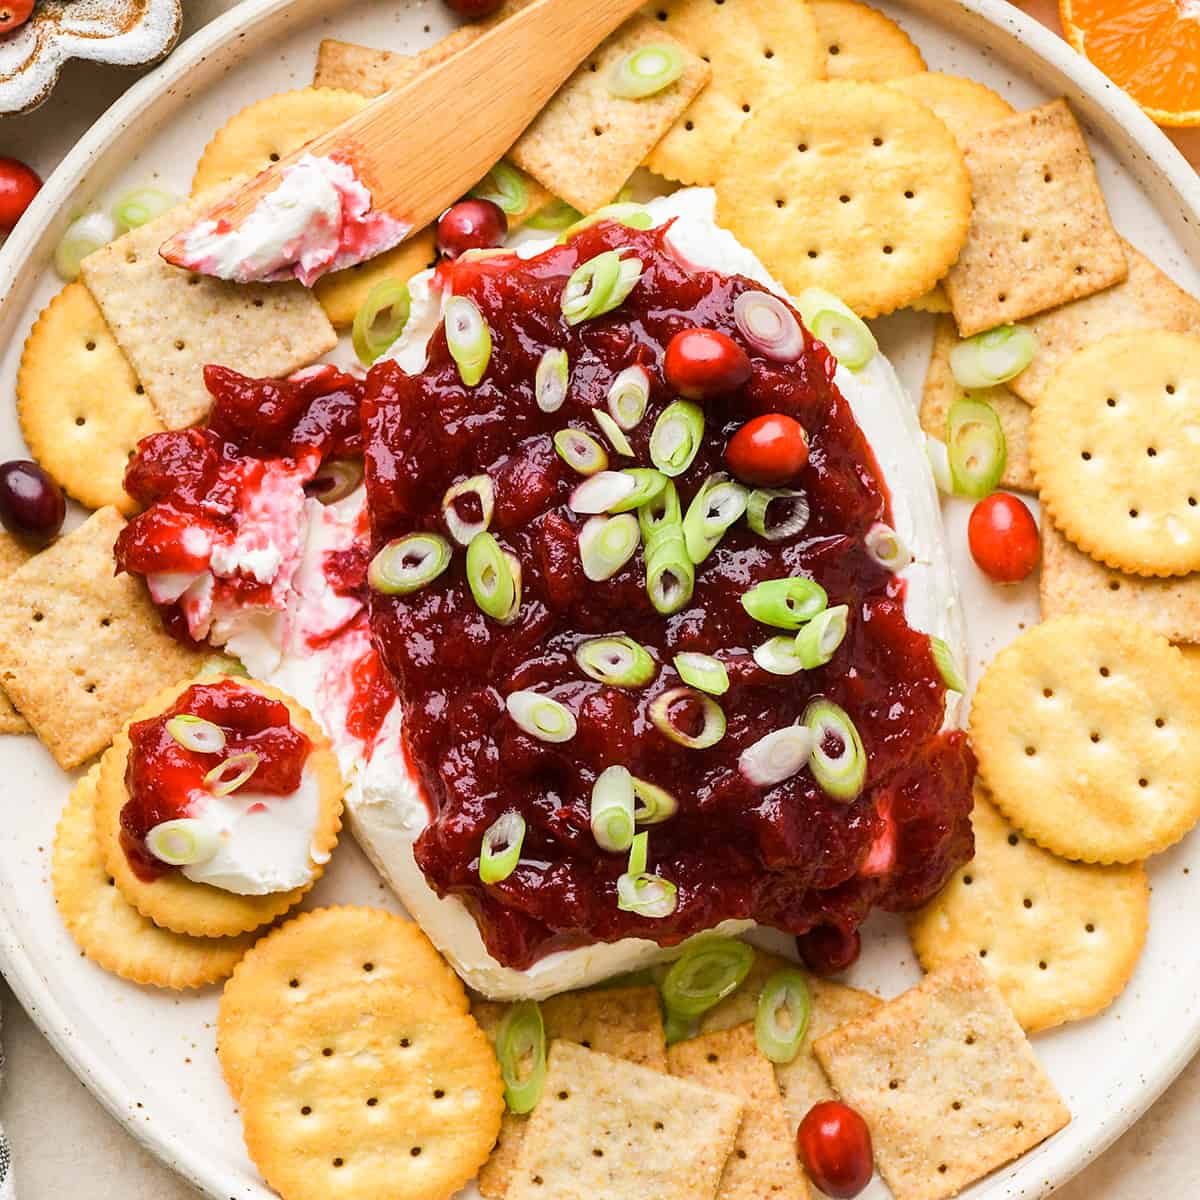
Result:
<point x="1040" y="231"/>
<point x="171" y="323"/>
<point x="81" y="408"/>
<point x="13" y="552"/>
<point x="361" y="1093"/>
<point x="859" y="42"/>
<point x="763" y="1162"/>
<point x="81" y="647"/>
<point x="946" y="1081"/>
<point x="107" y="928"/>
<point x="606" y="1127"/>
<point x="1060" y="938"/>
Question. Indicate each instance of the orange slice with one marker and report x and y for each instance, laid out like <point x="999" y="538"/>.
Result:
<point x="1151" y="48"/>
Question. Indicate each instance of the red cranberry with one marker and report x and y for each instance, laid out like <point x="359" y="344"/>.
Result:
<point x="770" y="450"/>
<point x="18" y="186"/>
<point x="828" y="950"/>
<point x="1004" y="538"/>
<point x="471" y="225"/>
<point x="14" y="14"/>
<point x="835" y="1147"/>
<point x="473" y="10"/>
<point x="705" y="362"/>
<point x="31" y="503"/>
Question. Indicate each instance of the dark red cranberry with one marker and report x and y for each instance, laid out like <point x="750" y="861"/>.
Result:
<point x="705" y="362"/>
<point x="1004" y="538"/>
<point x="18" y="186"/>
<point x="14" y="14"/>
<point x="827" y="950"/>
<point x="31" y="503"/>
<point x="471" y="225"/>
<point x="770" y="450"/>
<point x="473" y="10"/>
<point x="834" y="1144"/>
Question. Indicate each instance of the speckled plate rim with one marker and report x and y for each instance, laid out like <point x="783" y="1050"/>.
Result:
<point x="1143" y="148"/>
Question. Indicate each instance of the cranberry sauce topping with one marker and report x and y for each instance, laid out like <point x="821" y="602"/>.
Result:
<point x="162" y="776"/>
<point x="789" y="855"/>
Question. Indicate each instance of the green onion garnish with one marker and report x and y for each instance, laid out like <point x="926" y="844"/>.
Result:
<point x="769" y="326"/>
<point x="603" y="492"/>
<point x="646" y="71"/>
<point x="551" y="380"/>
<point x="221" y="782"/>
<point x="500" y="850"/>
<point x="976" y="448"/>
<point x="580" y="451"/>
<point x="677" y="435"/>
<point x="817" y="641"/>
<point x="81" y="238"/>
<point x="408" y="563"/>
<point x="785" y="603"/>
<point x="599" y="285"/>
<point x="947" y="665"/>
<point x="612" y="809"/>
<point x="615" y="434"/>
<point x="670" y="574"/>
<point x="461" y="529"/>
<point x="994" y="357"/>
<point x="678" y="1029"/>
<point x="497" y="590"/>
<point x="616" y="661"/>
<point x="647" y="895"/>
<point x="710" y="969"/>
<point x="182" y="842"/>
<point x="335" y="479"/>
<point x="555" y="215"/>
<point x="784" y="1010"/>
<point x="634" y="216"/>
<point x="505" y="187"/>
<point x="661" y="514"/>
<point x="668" y="720"/>
<point x="648" y="485"/>
<point x="939" y="464"/>
<point x="468" y="338"/>
<point x="381" y="319"/>
<point x="628" y="396"/>
<point x="540" y="717"/>
<point x="717" y="505"/>
<point x="195" y="733"/>
<point x="778" y="656"/>
<point x="521" y="1050"/>
<point x="702" y="671"/>
<point x="141" y="206"/>
<point x="776" y="757"/>
<point x="838" y="760"/>
<point x="606" y="544"/>
<point x="639" y="853"/>
<point x="782" y="524"/>
<point x="222" y="664"/>
<point x="653" y="804"/>
<point x="832" y="322"/>
<point x="887" y="547"/>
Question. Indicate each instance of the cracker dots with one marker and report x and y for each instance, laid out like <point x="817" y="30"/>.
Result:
<point x="860" y="43"/>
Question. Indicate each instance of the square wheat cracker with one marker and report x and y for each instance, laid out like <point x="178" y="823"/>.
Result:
<point x="610" y="1128"/>
<point x="946" y="1081"/>
<point x="82" y="647"/>
<point x="363" y="69"/>
<point x="171" y="324"/>
<point x="1040" y="232"/>
<point x="13" y="553"/>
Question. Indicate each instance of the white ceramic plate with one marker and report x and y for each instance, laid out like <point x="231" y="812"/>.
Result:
<point x="148" y="1056"/>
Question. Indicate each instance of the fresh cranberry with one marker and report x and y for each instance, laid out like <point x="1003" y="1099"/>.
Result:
<point x="473" y="10"/>
<point x="471" y="225"/>
<point x="14" y="14"/>
<point x="768" y="450"/>
<point x="828" y="950"/>
<point x="18" y="186"/>
<point x="835" y="1147"/>
<point x="31" y="503"/>
<point x="1004" y="538"/>
<point x="705" y="362"/>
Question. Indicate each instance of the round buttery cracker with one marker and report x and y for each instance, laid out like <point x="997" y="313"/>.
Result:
<point x="1060" y="938"/>
<point x="368" y="1092"/>
<point x="1115" y="441"/>
<point x="175" y="902"/>
<point x="108" y="929"/>
<point x="964" y="105"/>
<point x="81" y="408"/>
<point x="342" y="293"/>
<point x="1087" y="732"/>
<point x="317" y="952"/>
<point x="860" y="43"/>
<point x="851" y="187"/>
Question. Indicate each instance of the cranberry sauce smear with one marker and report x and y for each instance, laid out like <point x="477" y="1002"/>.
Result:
<point x="789" y="856"/>
<point x="161" y="775"/>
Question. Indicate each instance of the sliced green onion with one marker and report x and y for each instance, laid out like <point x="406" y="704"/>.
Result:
<point x="612" y="809"/>
<point x="670" y="574"/>
<point x="776" y="757"/>
<point x="939" y="464"/>
<point x="648" y="485"/>
<point x="603" y="492"/>
<point x="500" y="850"/>
<point x="629" y="395"/>
<point x="468" y="338"/>
<point x="677" y="435"/>
<point x="221" y="782"/>
<point x="887" y="548"/>
<point x="717" y="505"/>
<point x="817" y="641"/>
<point x="462" y="530"/>
<point x="646" y="71"/>
<point x="710" y="969"/>
<point x="785" y="603"/>
<point x="661" y="514"/>
<point x="141" y="206"/>
<point x="615" y="434"/>
<point x="769" y="326"/>
<point x="222" y="664"/>
<point x="654" y="804"/>
<point x="81" y="238"/>
<point x="606" y="544"/>
<point x="521" y="1051"/>
<point x="646" y="895"/>
<point x="633" y="216"/>
<point x="994" y="357"/>
<point x="540" y="716"/>
<point x="599" y="285"/>
<point x="580" y="451"/>
<point x="785" y="524"/>
<point x="553" y="216"/>
<point x="639" y="853"/>
<point x="947" y="665"/>
<point x="678" y="1029"/>
<point x="182" y="842"/>
<point x="976" y="448"/>
<point x="408" y="563"/>
<point x="778" y="655"/>
<point x="381" y="319"/>
<point x="702" y="671"/>
<point x="832" y="322"/>
<point x="335" y="479"/>
<point x="784" y="1011"/>
<point x="551" y="380"/>
<point x="616" y="661"/>
<point x="667" y="721"/>
<point x="195" y="733"/>
<point x="838" y="760"/>
<point x="490" y="577"/>
<point x="505" y="187"/>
